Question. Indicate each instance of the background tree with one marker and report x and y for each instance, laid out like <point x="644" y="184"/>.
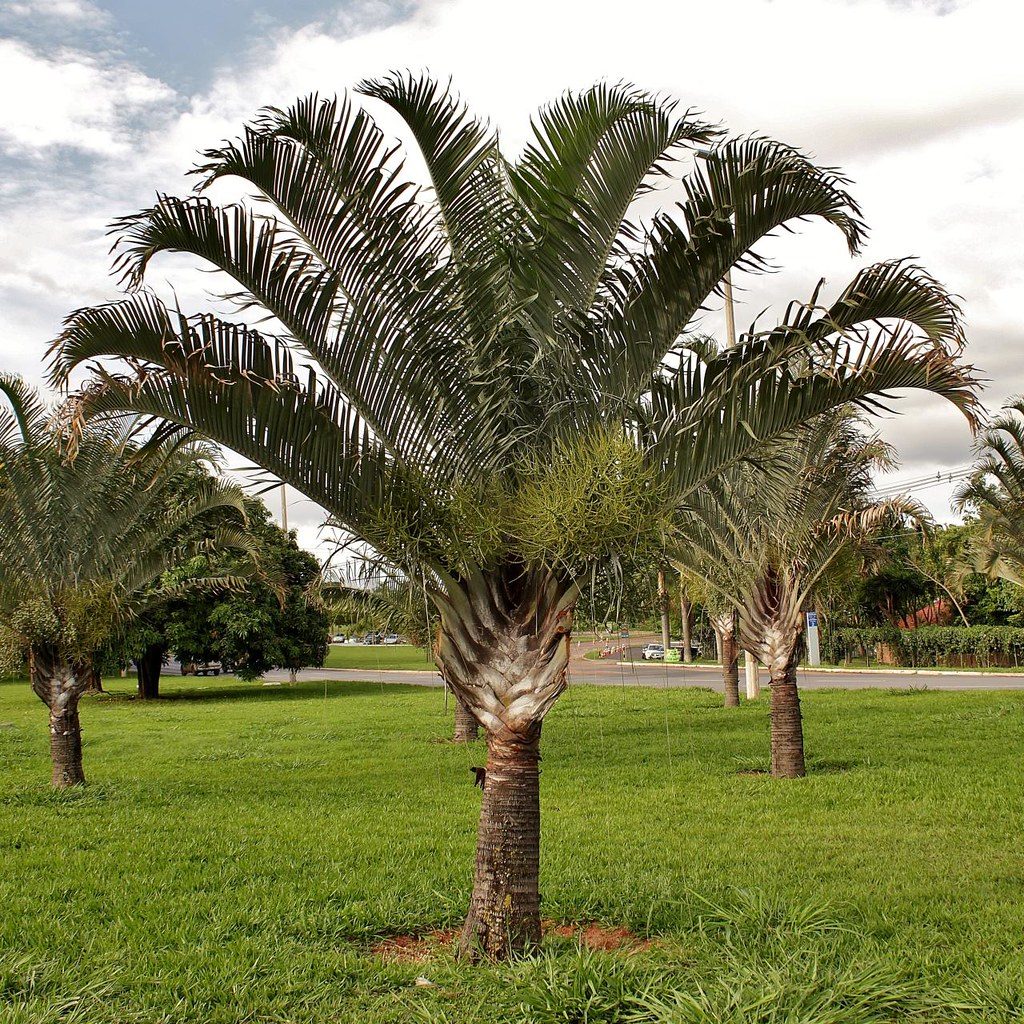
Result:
<point x="88" y="524"/>
<point x="722" y="614"/>
<point x="276" y="619"/>
<point x="995" y="494"/>
<point x="771" y="535"/>
<point x="496" y="387"/>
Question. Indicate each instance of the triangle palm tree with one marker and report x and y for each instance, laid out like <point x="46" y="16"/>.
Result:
<point x="490" y="382"/>
<point x="764" y="537"/>
<point x="90" y="523"/>
<point x="995" y="493"/>
<point x="722" y="614"/>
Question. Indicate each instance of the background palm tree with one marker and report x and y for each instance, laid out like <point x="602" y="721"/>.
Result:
<point x="995" y="493"/>
<point x="88" y="524"/>
<point x="764" y="536"/>
<point x="490" y="382"/>
<point x="722" y="614"/>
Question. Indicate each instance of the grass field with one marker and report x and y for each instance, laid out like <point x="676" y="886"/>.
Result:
<point x="241" y="852"/>
<point x="378" y="657"/>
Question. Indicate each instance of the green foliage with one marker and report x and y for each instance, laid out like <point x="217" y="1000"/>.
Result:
<point x="927" y="645"/>
<point x="90" y="519"/>
<point x="276" y="620"/>
<point x="503" y="368"/>
<point x="995" y="494"/>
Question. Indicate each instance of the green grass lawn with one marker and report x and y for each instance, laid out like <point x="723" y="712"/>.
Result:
<point x="378" y="657"/>
<point x="241" y="850"/>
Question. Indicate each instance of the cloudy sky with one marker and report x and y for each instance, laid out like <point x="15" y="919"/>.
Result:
<point x="921" y="102"/>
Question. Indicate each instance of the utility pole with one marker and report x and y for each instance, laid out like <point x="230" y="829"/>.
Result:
<point x="284" y="507"/>
<point x="750" y="672"/>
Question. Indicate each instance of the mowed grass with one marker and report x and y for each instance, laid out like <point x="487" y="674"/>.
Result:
<point x="241" y="850"/>
<point x="378" y="657"/>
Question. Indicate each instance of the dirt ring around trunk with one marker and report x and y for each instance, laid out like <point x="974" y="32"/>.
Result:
<point x="590" y="934"/>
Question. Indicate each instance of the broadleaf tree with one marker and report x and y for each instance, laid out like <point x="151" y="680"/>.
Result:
<point x="491" y="380"/>
<point x="276" y="619"/>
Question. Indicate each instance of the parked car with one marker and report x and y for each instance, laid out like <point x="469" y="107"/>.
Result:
<point x="372" y="638"/>
<point x="201" y="668"/>
<point x="695" y="647"/>
<point x="337" y="639"/>
<point x="354" y="640"/>
<point x="391" y="639"/>
<point x="653" y="652"/>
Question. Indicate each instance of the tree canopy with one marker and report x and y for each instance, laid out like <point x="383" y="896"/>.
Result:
<point x="499" y="380"/>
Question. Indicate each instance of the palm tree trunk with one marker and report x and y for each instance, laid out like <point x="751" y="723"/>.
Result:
<point x="503" y="647"/>
<point x="467" y="728"/>
<point x="60" y="687"/>
<point x="66" y="744"/>
<point x="787" y="728"/>
<point x="148" y="668"/>
<point x="728" y="646"/>
<point x="731" y="670"/>
<point x="504" y="912"/>
<point x="93" y="678"/>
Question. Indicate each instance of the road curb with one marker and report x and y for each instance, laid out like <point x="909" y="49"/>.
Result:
<point x="854" y="671"/>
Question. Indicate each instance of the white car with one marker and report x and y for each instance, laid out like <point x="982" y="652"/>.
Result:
<point x="391" y="639"/>
<point x="339" y="639"/>
<point x="653" y="652"/>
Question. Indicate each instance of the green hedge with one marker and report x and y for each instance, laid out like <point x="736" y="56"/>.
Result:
<point x="928" y="645"/>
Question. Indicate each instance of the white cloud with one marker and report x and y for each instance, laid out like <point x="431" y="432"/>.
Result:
<point x="71" y="100"/>
<point x="63" y="10"/>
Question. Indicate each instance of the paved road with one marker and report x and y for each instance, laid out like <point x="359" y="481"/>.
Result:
<point x="657" y="675"/>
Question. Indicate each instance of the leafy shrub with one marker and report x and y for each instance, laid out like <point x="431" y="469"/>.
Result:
<point x="928" y="645"/>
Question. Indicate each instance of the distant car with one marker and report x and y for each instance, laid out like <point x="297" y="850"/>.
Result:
<point x="391" y="639"/>
<point x="353" y="640"/>
<point x="695" y="648"/>
<point x="372" y="638"/>
<point x="202" y="668"/>
<point x="653" y="652"/>
<point x="339" y="639"/>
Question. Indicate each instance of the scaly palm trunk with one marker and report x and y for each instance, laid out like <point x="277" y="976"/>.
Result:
<point x="504" y="649"/>
<point x="467" y="728"/>
<point x="93" y="678"/>
<point x="60" y="687"/>
<point x="771" y="625"/>
<point x="782" y="643"/>
<point x="504" y="910"/>
<point x="725" y="627"/>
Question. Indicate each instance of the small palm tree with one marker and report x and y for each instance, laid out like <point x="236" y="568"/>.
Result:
<point x="995" y="493"/>
<point x="88" y="524"/>
<point x="764" y="536"/>
<point x="490" y="382"/>
<point x="722" y="614"/>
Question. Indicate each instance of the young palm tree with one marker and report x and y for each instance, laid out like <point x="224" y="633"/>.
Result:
<point x="723" y="620"/>
<point x="88" y="524"/>
<point x="995" y="493"/>
<point x="764" y="543"/>
<point x="489" y="381"/>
